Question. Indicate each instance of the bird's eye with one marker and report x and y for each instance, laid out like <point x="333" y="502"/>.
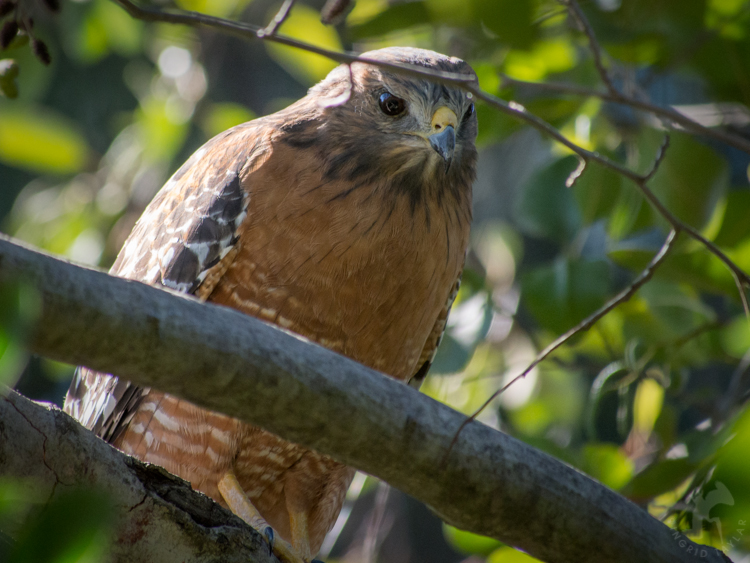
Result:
<point x="390" y="104"/>
<point x="469" y="112"/>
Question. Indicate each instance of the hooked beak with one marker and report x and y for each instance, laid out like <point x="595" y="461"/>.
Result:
<point x="443" y="137"/>
<point x="444" y="143"/>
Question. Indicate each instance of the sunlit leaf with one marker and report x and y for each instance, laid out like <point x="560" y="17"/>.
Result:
<point x="223" y="116"/>
<point x="469" y="543"/>
<point x="510" y="555"/>
<point x="41" y="140"/>
<point x="304" y="24"/>
<point x="546" y="57"/>
<point x="607" y="464"/>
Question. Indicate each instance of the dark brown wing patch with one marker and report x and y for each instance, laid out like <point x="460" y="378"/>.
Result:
<point x="181" y="241"/>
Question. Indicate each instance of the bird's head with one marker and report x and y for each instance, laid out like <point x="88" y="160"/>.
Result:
<point x="416" y="134"/>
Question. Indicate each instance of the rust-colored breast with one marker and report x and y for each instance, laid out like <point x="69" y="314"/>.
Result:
<point x="358" y="271"/>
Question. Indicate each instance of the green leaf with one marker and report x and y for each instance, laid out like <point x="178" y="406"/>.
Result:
<point x="8" y="75"/>
<point x="596" y="192"/>
<point x="75" y="527"/>
<point x="304" y="24"/>
<point x="510" y="555"/>
<point x="690" y="179"/>
<point x="395" y="17"/>
<point x="658" y="478"/>
<point x="735" y="227"/>
<point x="561" y="295"/>
<point x="223" y="116"/>
<point x="607" y="464"/>
<point x="469" y="543"/>
<point x="509" y="20"/>
<point x="545" y="207"/>
<point x="41" y="141"/>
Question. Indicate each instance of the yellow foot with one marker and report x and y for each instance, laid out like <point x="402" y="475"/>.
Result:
<point x="238" y="503"/>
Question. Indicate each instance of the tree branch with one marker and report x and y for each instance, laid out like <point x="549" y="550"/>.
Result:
<point x="220" y="359"/>
<point x="159" y="517"/>
<point x="665" y="113"/>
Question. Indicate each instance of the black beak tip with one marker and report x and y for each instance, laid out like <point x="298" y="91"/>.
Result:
<point x="444" y="144"/>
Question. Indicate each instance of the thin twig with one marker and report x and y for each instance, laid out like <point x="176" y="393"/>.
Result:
<point x="277" y="20"/>
<point x="248" y="31"/>
<point x="583" y="326"/>
<point x="669" y="114"/>
<point x="596" y="49"/>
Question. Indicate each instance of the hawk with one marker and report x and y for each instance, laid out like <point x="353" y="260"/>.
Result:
<point x="344" y="218"/>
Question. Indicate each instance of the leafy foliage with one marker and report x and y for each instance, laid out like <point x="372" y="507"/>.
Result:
<point x="650" y="401"/>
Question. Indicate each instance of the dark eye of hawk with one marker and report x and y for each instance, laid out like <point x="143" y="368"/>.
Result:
<point x="390" y="104"/>
<point x="469" y="112"/>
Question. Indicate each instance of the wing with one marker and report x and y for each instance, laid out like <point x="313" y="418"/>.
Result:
<point x="436" y="336"/>
<point x="185" y="240"/>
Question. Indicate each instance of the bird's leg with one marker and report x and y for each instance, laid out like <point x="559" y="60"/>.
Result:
<point x="238" y="503"/>
<point x="300" y="532"/>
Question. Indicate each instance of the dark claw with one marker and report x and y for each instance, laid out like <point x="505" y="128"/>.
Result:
<point x="268" y="532"/>
<point x="316" y="561"/>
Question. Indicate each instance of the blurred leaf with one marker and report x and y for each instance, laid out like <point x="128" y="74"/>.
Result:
<point x="561" y="295"/>
<point x="510" y="555"/>
<point x="223" y="116"/>
<point x="469" y="543"/>
<point x="468" y="324"/>
<point x="304" y="24"/>
<point x="607" y="464"/>
<point x="735" y="337"/>
<point x="161" y="134"/>
<point x="75" y="527"/>
<point x="509" y="20"/>
<point x="395" y="17"/>
<point x="546" y="57"/>
<point x="596" y="192"/>
<point x="649" y="398"/>
<point x="107" y="27"/>
<point x="659" y="477"/>
<point x="545" y="207"/>
<point x="734" y="224"/>
<point x="691" y="179"/>
<point x="8" y="75"/>
<point x="19" y="310"/>
<point x="219" y="8"/>
<point x="41" y="141"/>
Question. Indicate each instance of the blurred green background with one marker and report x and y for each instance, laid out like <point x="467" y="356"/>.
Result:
<point x="651" y="402"/>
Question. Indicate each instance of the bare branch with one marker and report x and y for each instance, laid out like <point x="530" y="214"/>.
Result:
<point x="584" y="325"/>
<point x="159" y="517"/>
<point x="665" y="113"/>
<point x="248" y="31"/>
<point x="225" y="361"/>
<point x="595" y="48"/>
<point x="277" y="20"/>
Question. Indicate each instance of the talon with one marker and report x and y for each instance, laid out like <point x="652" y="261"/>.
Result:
<point x="316" y="561"/>
<point x="268" y="532"/>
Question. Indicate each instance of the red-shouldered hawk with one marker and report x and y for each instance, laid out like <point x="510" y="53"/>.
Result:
<point x="344" y="221"/>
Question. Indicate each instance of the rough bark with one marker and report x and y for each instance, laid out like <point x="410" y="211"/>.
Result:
<point x="159" y="517"/>
<point x="488" y="483"/>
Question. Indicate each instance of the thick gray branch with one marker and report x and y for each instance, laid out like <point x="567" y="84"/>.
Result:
<point x="159" y="517"/>
<point x="490" y="483"/>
